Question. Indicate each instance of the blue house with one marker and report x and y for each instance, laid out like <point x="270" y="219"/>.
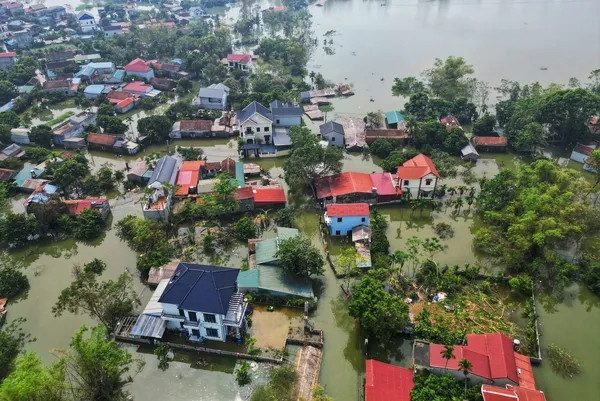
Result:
<point x="343" y="217"/>
<point x="285" y="115"/>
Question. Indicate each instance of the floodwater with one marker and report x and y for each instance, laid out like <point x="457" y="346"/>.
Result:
<point x="271" y="328"/>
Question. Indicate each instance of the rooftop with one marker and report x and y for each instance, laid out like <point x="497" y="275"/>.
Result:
<point x="511" y="393"/>
<point x="195" y="125"/>
<point x="275" y="279"/>
<point x="251" y="109"/>
<point x="394" y="117"/>
<point x="269" y="195"/>
<point x="344" y="183"/>
<point x="239" y="58"/>
<point x="137" y="86"/>
<point x="347" y="209"/>
<point x="331" y="126"/>
<point x="76" y="206"/>
<point x="137" y="65"/>
<point x="417" y="167"/>
<point x="489" y="141"/>
<point x="101" y="139"/>
<point x="385" y="382"/>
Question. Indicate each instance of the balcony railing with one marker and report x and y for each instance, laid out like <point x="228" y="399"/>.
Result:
<point x="236" y="311"/>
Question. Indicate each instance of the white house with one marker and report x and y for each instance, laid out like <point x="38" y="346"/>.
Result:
<point x="417" y="177"/>
<point x="86" y="22"/>
<point x="242" y="62"/>
<point x="213" y="97"/>
<point x="333" y="133"/>
<point x="256" y="124"/>
<point x="203" y="302"/>
<point x="157" y="206"/>
<point x="139" y="68"/>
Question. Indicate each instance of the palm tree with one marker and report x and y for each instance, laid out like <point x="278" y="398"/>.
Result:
<point x="399" y="257"/>
<point x="466" y="367"/>
<point x="441" y="190"/>
<point x="447" y="353"/>
<point x="462" y="189"/>
<point x="470" y="199"/>
<point x="452" y="191"/>
<point x="458" y="204"/>
<point x="472" y="191"/>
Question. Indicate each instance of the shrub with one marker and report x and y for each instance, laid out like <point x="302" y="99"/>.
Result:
<point x="242" y="374"/>
<point x="12" y="282"/>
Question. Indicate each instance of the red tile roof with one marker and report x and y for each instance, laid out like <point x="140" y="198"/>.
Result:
<point x="13" y="5"/>
<point x="137" y="65"/>
<point x="228" y="166"/>
<point x="480" y="362"/>
<point x="192" y="165"/>
<point x="511" y="393"/>
<point x="269" y="195"/>
<point x="137" y="86"/>
<point x="384" y="182"/>
<point x="583" y="149"/>
<point x="116" y="96"/>
<point x="499" y="349"/>
<point x="101" y="139"/>
<point x="239" y="58"/>
<point x="125" y="102"/>
<point x="7" y="54"/>
<point x="385" y="382"/>
<point x="76" y="206"/>
<point x="243" y="193"/>
<point x="347" y="209"/>
<point x="489" y="141"/>
<point x="417" y="167"/>
<point x="195" y="125"/>
<point x="343" y="184"/>
<point x="56" y="84"/>
<point x="185" y="180"/>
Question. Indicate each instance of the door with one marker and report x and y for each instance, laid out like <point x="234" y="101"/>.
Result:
<point x="196" y="332"/>
<point x="192" y="316"/>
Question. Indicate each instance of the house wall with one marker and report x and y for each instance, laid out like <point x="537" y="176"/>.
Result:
<point x="124" y="109"/>
<point x="87" y="25"/>
<point x="254" y="129"/>
<point x="213" y="103"/>
<point x="345" y="226"/>
<point x="414" y="186"/>
<point x="369" y="198"/>
<point x="148" y="75"/>
<point x="578" y="157"/>
<point x="6" y="62"/>
<point x="201" y="325"/>
<point x="287" y="121"/>
<point x="334" y="139"/>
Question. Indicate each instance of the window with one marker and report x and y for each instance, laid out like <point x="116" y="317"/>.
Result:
<point x="212" y="333"/>
<point x="339" y="219"/>
<point x="428" y="181"/>
<point x="181" y="312"/>
<point x="192" y="316"/>
<point x="257" y="129"/>
<point x="278" y="122"/>
<point x="266" y="129"/>
<point x="363" y="219"/>
<point x="196" y="332"/>
<point x="406" y="182"/>
<point x="333" y="139"/>
<point x="210" y="318"/>
<point x="337" y="232"/>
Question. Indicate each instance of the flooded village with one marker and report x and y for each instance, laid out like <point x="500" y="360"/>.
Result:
<point x="292" y="200"/>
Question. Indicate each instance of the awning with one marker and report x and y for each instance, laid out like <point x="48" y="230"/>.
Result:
<point x="148" y="326"/>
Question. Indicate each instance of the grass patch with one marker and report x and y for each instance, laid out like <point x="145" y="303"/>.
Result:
<point x="61" y="118"/>
<point x="326" y="108"/>
<point x="82" y="7"/>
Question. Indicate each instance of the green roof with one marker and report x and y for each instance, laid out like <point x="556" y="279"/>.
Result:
<point x="274" y="280"/>
<point x="239" y="174"/>
<point x="394" y="117"/>
<point x="25" y="174"/>
<point x="266" y="249"/>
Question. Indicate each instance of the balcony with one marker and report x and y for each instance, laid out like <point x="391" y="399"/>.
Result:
<point x="168" y="316"/>
<point x="236" y="311"/>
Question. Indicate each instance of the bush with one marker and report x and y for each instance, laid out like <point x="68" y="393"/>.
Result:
<point x="242" y="374"/>
<point x="245" y="229"/>
<point x="381" y="147"/>
<point x="90" y="224"/>
<point x="12" y="282"/>
<point x="522" y="283"/>
<point x="285" y="217"/>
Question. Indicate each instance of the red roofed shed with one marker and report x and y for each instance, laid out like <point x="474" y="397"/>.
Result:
<point x="347" y="209"/>
<point x="490" y="143"/>
<point x="385" y="382"/>
<point x="269" y="196"/>
<point x="511" y="393"/>
<point x="239" y="58"/>
<point x="76" y="206"/>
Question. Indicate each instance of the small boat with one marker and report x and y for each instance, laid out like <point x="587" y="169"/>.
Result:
<point x="543" y="68"/>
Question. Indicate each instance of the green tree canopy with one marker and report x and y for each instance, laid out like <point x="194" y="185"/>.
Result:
<point x="298" y="255"/>
<point x="41" y="135"/>
<point x="8" y="91"/>
<point x="155" y="127"/>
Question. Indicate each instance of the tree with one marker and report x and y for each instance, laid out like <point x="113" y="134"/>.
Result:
<point x="455" y="141"/>
<point x="374" y="119"/>
<point x="484" y="126"/>
<point x="112" y="125"/>
<point x="379" y="314"/>
<point x="12" y="340"/>
<point x="155" y="127"/>
<point x="530" y="138"/>
<point x="69" y="174"/>
<point x="5" y="134"/>
<point x="466" y="367"/>
<point x="308" y="160"/>
<point x="245" y="229"/>
<point x="381" y="147"/>
<point x="347" y="262"/>
<point x="297" y="255"/>
<point x="285" y="217"/>
<point x="448" y="78"/>
<point x="242" y="374"/>
<point x="31" y="380"/>
<point x="108" y="301"/>
<point x="191" y="153"/>
<point x="8" y="91"/>
<point x="162" y="353"/>
<point x="98" y="369"/>
<point x="447" y="353"/>
<point x="407" y="86"/>
<point x="96" y="266"/>
<point x="17" y="229"/>
<point x="184" y="85"/>
<point x="12" y="282"/>
<point x="106" y="109"/>
<point x="90" y="224"/>
<point x="10" y="118"/>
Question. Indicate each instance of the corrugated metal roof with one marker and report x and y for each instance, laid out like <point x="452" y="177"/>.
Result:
<point x="273" y="279"/>
<point x="385" y="382"/>
<point x="149" y="326"/>
<point x="153" y="307"/>
<point x="266" y="249"/>
<point x="164" y="170"/>
<point x="394" y="117"/>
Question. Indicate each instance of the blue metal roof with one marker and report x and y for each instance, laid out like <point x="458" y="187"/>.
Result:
<point x="331" y="126"/>
<point x="285" y="109"/>
<point x="394" y="117"/>
<point x="94" y="89"/>
<point x="164" y="170"/>
<point x="252" y="108"/>
<point x="102" y="65"/>
<point x="201" y="288"/>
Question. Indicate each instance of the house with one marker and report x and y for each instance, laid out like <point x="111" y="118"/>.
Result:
<point x="269" y="196"/>
<point x="204" y="301"/>
<point x="22" y="39"/>
<point x="490" y="143"/>
<point x="511" y="393"/>
<point x="157" y="206"/>
<point x="112" y="30"/>
<point x="123" y="106"/>
<point x="266" y="249"/>
<point x="102" y="142"/>
<point x="37" y="10"/>
<point x="12" y="150"/>
<point x="343" y="217"/>
<point x="163" y="84"/>
<point x="492" y="356"/>
<point x="87" y="22"/>
<point x="256" y="124"/>
<point x="72" y="127"/>
<point x="242" y="62"/>
<point x="67" y="86"/>
<point x="581" y="153"/>
<point x="354" y="133"/>
<point x="396" y="135"/>
<point x="20" y="136"/>
<point x="93" y="91"/>
<point x="139" y="88"/>
<point x="285" y="115"/>
<point x="7" y="59"/>
<point x="6" y="174"/>
<point x="56" y="13"/>
<point x="42" y="194"/>
<point x="169" y="70"/>
<point x="188" y="177"/>
<point x="450" y="122"/>
<point x="274" y="281"/>
<point x="14" y="9"/>
<point x="354" y="187"/>
<point x="197" y="12"/>
<point x="76" y="206"/>
<point x="213" y="97"/>
<point x="210" y="170"/>
<point x="138" y="172"/>
<point x="96" y="72"/>
<point x="57" y="67"/>
<point x="394" y="120"/>
<point x="125" y="147"/>
<point x="86" y="58"/>
<point x="418" y="177"/>
<point x="28" y="179"/>
<point x="469" y="153"/>
<point x="385" y="382"/>
<point x="191" y="129"/>
<point x="333" y="133"/>
<point x="139" y="68"/>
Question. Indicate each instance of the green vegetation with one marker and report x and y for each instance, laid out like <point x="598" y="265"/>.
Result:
<point x="242" y="374"/>
<point x="441" y="388"/>
<point x="60" y="118"/>
<point x="191" y="153"/>
<point x="298" y="255"/>
<point x="562" y="362"/>
<point x="162" y="353"/>
<point x="281" y="386"/>
<point x="12" y="282"/>
<point x="245" y="229"/>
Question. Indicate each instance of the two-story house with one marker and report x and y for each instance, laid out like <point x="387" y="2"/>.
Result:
<point x="285" y="115"/>
<point x="256" y="124"/>
<point x="157" y="205"/>
<point x="7" y="60"/>
<point x="343" y="217"/>
<point x="242" y="62"/>
<point x="417" y="177"/>
<point x="203" y="302"/>
<point x="213" y="97"/>
<point x="87" y="22"/>
<point x="333" y="133"/>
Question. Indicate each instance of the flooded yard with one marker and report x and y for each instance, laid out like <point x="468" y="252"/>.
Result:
<point x="271" y="328"/>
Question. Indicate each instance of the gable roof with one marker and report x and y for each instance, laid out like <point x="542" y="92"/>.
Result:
<point x="394" y="117"/>
<point x="285" y="109"/>
<point x="251" y="109"/>
<point x="331" y="126"/>
<point x="489" y="141"/>
<point x="85" y="15"/>
<point x="385" y="382"/>
<point x="212" y="92"/>
<point x="164" y="170"/>
<point x="511" y="393"/>
<point x="201" y="288"/>
<point x="269" y="195"/>
<point x="344" y="183"/>
<point x="417" y="167"/>
<point x="275" y="279"/>
<point x="239" y="58"/>
<point x="347" y="209"/>
<point x="195" y="125"/>
<point x="137" y="86"/>
<point x="137" y="65"/>
<point x="101" y="139"/>
<point x="76" y="206"/>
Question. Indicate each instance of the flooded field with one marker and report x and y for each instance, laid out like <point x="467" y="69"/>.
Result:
<point x="271" y="328"/>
